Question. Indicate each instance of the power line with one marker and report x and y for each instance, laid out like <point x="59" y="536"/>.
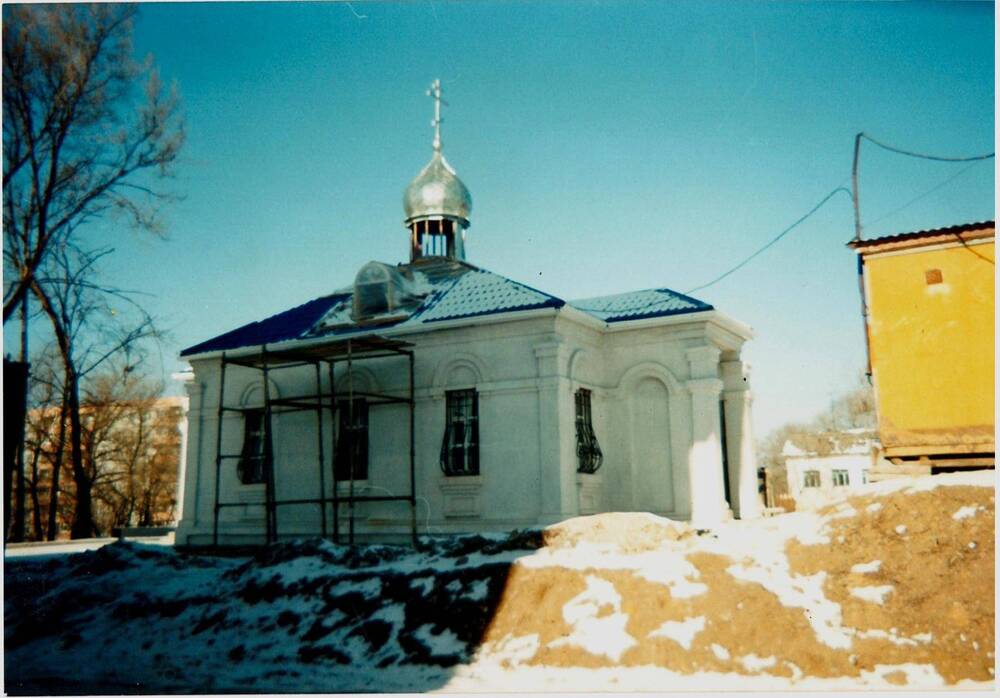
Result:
<point x="927" y="193"/>
<point x="940" y="158"/>
<point x="774" y="240"/>
<point x="855" y="194"/>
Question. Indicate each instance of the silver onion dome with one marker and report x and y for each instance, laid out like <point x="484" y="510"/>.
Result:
<point x="437" y="191"/>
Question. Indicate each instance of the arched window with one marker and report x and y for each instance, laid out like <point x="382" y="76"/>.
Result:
<point x="588" y="452"/>
<point x="251" y="467"/>
<point x="460" y="447"/>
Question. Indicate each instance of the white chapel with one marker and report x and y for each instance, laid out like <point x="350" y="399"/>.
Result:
<point x="434" y="396"/>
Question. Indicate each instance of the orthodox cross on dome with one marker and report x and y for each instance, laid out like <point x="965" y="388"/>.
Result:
<point x="435" y="92"/>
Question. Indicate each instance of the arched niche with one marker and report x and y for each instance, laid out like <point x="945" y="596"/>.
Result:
<point x="361" y="379"/>
<point x="463" y="370"/>
<point x="253" y="393"/>
<point x="655" y="410"/>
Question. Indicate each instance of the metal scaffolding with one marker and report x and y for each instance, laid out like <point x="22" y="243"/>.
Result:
<point x="267" y="360"/>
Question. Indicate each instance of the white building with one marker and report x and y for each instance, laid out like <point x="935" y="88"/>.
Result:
<point x="443" y="397"/>
<point x="814" y="478"/>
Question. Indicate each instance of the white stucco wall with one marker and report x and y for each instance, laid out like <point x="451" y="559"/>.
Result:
<point x="658" y="437"/>
<point x="856" y="465"/>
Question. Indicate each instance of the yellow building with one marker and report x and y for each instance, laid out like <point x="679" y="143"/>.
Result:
<point x="929" y="322"/>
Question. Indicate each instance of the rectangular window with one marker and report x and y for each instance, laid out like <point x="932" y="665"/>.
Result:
<point x="864" y="477"/>
<point x="588" y="452"/>
<point x="810" y="478"/>
<point x="460" y="447"/>
<point x="351" y="455"/>
<point x="840" y="478"/>
<point x="253" y="457"/>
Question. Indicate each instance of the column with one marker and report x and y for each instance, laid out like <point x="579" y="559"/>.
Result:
<point x="188" y="488"/>
<point x="739" y="437"/>
<point x="557" y="471"/>
<point x="708" y="494"/>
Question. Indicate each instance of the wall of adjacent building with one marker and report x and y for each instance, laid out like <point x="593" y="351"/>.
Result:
<point x="856" y="465"/>
<point x="932" y="347"/>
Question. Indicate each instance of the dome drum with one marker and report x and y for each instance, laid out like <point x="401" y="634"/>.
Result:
<point x="437" y="203"/>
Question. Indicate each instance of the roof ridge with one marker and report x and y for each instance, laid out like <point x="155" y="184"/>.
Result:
<point x="523" y="285"/>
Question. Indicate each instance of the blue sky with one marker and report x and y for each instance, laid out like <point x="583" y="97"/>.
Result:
<point x="608" y="146"/>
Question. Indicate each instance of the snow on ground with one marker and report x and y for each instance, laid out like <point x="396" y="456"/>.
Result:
<point x="867" y="567"/>
<point x="65" y="547"/>
<point x="828" y="600"/>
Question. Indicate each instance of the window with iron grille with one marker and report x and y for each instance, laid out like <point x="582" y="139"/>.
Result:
<point x="810" y="478"/>
<point x="351" y="455"/>
<point x="588" y="452"/>
<point x="253" y="457"/>
<point x="460" y="448"/>
<point x="840" y="478"/>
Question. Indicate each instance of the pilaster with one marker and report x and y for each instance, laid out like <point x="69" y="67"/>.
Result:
<point x="189" y="474"/>
<point x="738" y="401"/>
<point x="557" y="472"/>
<point x="708" y="494"/>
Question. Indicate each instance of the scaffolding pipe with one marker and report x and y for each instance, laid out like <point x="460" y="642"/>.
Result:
<point x="319" y="446"/>
<point x="350" y="446"/>
<point x="413" y="463"/>
<point x="218" y="450"/>
<point x="333" y="452"/>
<point x="266" y="363"/>
<point x="271" y="518"/>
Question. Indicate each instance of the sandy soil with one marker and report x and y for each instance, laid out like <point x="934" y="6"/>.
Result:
<point x="891" y="587"/>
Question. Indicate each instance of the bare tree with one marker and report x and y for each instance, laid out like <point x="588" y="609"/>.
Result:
<point x="89" y="329"/>
<point x="79" y="142"/>
<point x="132" y="449"/>
<point x="44" y="446"/>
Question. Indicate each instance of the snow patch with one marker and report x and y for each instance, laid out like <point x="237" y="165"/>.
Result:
<point x="964" y="513"/>
<point x="369" y="588"/>
<point x="867" y="567"/>
<point x="875" y="594"/>
<point x="422" y="584"/>
<point x="720" y="652"/>
<point x="478" y="590"/>
<point x="605" y="635"/>
<point x="799" y="591"/>
<point x="901" y="529"/>
<point x="510" y="650"/>
<point x="752" y="662"/>
<point x="444" y="643"/>
<point x="681" y="632"/>
<point x="894" y="638"/>
<point x="923" y="675"/>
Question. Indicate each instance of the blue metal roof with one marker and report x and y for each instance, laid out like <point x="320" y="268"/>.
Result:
<point x="289" y="324"/>
<point x="446" y="290"/>
<point x="636" y="305"/>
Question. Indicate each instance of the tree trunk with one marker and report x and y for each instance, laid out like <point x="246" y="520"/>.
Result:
<point x="20" y="513"/>
<point x="83" y="513"/>
<point x="53" y="528"/>
<point x="15" y="382"/>
<point x="36" y="505"/>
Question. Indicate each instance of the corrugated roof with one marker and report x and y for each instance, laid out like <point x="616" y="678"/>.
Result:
<point x="918" y="234"/>
<point x="289" y="324"/>
<point x="654" y="302"/>
<point x="445" y="290"/>
<point x="481" y="292"/>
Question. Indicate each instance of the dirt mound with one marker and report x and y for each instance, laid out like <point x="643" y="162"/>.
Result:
<point x="894" y="586"/>
<point x="630" y="532"/>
